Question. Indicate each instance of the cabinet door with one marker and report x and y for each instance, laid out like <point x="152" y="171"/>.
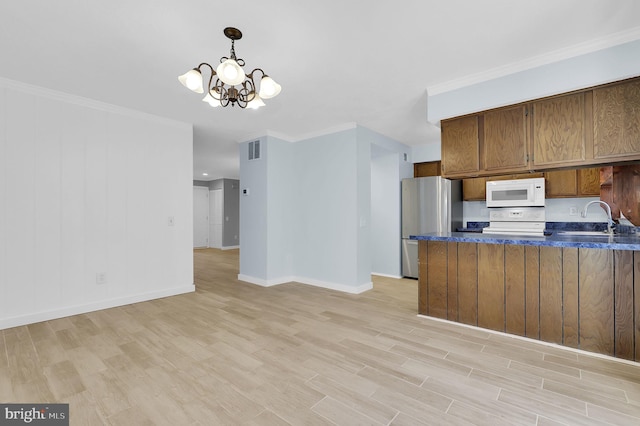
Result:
<point x="491" y="284"/>
<point x="561" y="183"/>
<point x="437" y="272"/>
<point x="460" y="152"/>
<point x="468" y="283"/>
<point x="505" y="139"/>
<point x="431" y="168"/>
<point x="559" y="130"/>
<point x="474" y="189"/>
<point x="589" y="182"/>
<point x="616" y="115"/>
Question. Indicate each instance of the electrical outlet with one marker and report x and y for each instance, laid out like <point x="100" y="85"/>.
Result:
<point x="573" y="211"/>
<point x="101" y="278"/>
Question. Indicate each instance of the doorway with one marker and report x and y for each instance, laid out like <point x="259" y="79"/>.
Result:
<point x="200" y="216"/>
<point x="216" y="209"/>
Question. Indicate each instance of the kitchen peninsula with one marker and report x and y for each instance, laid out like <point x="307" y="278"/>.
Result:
<point x="578" y="291"/>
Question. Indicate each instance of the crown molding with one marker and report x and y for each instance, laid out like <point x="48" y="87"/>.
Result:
<point x="536" y="61"/>
<point x="327" y="131"/>
<point x="301" y="137"/>
<point x="86" y="102"/>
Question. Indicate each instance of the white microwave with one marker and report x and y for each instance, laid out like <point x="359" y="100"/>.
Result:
<point x="516" y="193"/>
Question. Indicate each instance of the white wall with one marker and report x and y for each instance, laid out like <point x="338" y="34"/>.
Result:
<point x="326" y="220"/>
<point x="86" y="189"/>
<point x="253" y="213"/>
<point x="388" y="168"/>
<point x="385" y="216"/>
<point x="363" y="208"/>
<point x="603" y="66"/>
<point x="305" y="219"/>
<point x="281" y="212"/>
<point x="427" y="152"/>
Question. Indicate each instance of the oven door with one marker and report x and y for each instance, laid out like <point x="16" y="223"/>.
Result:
<point x="515" y="193"/>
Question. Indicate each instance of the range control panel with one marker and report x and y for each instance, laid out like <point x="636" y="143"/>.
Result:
<point x="517" y="214"/>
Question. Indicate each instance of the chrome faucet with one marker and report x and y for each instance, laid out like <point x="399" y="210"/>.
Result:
<point x="610" y="223"/>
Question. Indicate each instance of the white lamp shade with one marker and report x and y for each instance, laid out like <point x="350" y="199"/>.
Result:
<point x="255" y="103"/>
<point x="214" y="94"/>
<point x="192" y="80"/>
<point x="211" y="100"/>
<point x="230" y="72"/>
<point x="269" y="88"/>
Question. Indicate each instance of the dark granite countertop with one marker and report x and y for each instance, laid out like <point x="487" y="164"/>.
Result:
<point x="614" y="242"/>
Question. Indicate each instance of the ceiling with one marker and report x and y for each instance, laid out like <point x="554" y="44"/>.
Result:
<point x="338" y="62"/>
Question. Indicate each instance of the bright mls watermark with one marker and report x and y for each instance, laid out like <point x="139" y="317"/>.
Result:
<point x="34" y="414"/>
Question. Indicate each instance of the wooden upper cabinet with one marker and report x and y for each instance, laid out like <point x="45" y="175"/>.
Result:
<point x="559" y="130"/>
<point x="596" y="126"/>
<point x="430" y="168"/>
<point x="460" y="146"/>
<point x="572" y="183"/>
<point x="474" y="189"/>
<point x="589" y="182"/>
<point x="561" y="183"/>
<point x="505" y="139"/>
<point x="616" y="115"/>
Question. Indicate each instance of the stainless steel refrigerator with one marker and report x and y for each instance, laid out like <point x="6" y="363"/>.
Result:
<point x="429" y="204"/>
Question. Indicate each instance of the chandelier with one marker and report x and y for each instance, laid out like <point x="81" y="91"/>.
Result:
<point x="228" y="84"/>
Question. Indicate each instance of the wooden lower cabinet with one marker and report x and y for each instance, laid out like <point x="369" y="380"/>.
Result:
<point x="467" y="283"/>
<point x="532" y="291"/>
<point x="570" y="297"/>
<point x="551" y="294"/>
<point x="582" y="298"/>
<point x="514" y="300"/>
<point x="491" y="287"/>
<point x="437" y="291"/>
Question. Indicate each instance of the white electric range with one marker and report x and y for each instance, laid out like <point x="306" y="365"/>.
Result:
<point x="516" y="221"/>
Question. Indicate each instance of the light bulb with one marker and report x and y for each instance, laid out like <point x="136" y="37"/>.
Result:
<point x="230" y="72"/>
<point x="214" y="93"/>
<point x="269" y="88"/>
<point x="211" y="100"/>
<point x="256" y="102"/>
<point x="192" y="80"/>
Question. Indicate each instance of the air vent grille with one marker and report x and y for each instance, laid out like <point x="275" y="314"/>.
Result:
<point x="254" y="150"/>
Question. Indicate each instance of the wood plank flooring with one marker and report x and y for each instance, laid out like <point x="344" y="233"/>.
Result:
<point x="233" y="353"/>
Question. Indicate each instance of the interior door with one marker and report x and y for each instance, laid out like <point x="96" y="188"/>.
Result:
<point x="215" y="219"/>
<point x="200" y="216"/>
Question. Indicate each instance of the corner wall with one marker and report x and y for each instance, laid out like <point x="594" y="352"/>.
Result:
<point x="305" y="219"/>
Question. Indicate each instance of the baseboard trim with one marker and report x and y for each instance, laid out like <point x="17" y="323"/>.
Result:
<point x="531" y="340"/>
<point x="307" y="281"/>
<point x="91" y="307"/>
<point x="230" y="247"/>
<point x="257" y="281"/>
<point x="378" y="274"/>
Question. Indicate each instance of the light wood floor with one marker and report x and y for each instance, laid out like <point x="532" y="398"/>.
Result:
<point x="235" y="353"/>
